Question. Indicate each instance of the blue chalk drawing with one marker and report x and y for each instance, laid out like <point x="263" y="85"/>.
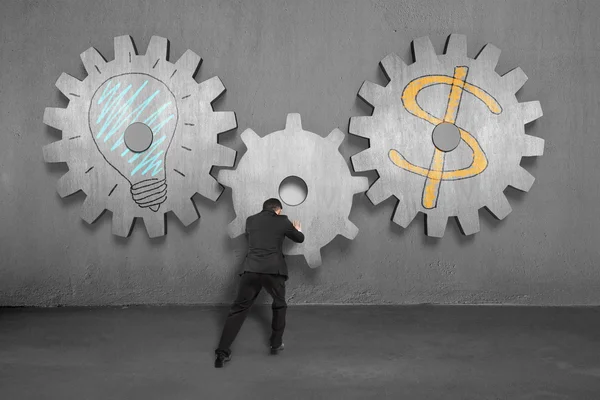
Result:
<point x="116" y="115"/>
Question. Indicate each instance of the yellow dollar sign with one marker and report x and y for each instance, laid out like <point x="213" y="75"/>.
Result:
<point x="435" y="174"/>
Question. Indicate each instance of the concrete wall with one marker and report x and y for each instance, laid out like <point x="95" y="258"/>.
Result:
<point x="310" y="57"/>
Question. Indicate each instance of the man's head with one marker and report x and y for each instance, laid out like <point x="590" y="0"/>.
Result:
<point x="273" y="205"/>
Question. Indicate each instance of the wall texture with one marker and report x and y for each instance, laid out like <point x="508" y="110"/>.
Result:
<point x="310" y="57"/>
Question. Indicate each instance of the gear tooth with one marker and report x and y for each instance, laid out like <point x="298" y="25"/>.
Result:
<point x="124" y="49"/>
<point x="211" y="189"/>
<point x="457" y="45"/>
<point x="225" y="157"/>
<point x="250" y="138"/>
<point x="55" y="117"/>
<point x="371" y="93"/>
<point x="226" y="177"/>
<point x="56" y="151"/>
<point x="360" y="184"/>
<point x="189" y="61"/>
<point x="122" y="224"/>
<point x="211" y="89"/>
<point x="392" y="66"/>
<point x="361" y="126"/>
<point x="221" y="122"/>
<point x="533" y="146"/>
<point x="362" y="161"/>
<point x="157" y="49"/>
<point x="490" y="55"/>
<point x="403" y="216"/>
<point x="522" y="179"/>
<point x="68" y="184"/>
<point x="514" y="79"/>
<point x="350" y="230"/>
<point x="155" y="225"/>
<point x="186" y="212"/>
<point x="499" y="207"/>
<point x="335" y="137"/>
<point x="236" y="227"/>
<point x="378" y="192"/>
<point x="68" y="85"/>
<point x="468" y="221"/>
<point x="91" y="210"/>
<point x="313" y="258"/>
<point x="435" y="226"/>
<point x="424" y="51"/>
<point x="530" y="111"/>
<point x="293" y="123"/>
<point x="93" y="61"/>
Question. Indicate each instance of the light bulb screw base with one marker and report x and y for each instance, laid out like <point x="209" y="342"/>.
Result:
<point x="150" y="193"/>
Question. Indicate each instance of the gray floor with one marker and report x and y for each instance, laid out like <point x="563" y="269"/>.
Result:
<point x="412" y="352"/>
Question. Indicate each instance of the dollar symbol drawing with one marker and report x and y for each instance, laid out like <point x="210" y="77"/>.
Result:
<point x="435" y="173"/>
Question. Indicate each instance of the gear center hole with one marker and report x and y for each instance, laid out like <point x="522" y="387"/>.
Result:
<point x="446" y="136"/>
<point x="138" y="137"/>
<point x="293" y="190"/>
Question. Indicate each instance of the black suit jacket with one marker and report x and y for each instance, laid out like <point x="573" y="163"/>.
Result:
<point x="266" y="232"/>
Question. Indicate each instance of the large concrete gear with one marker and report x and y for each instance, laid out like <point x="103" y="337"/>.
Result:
<point x="446" y="135"/>
<point x="139" y="136"/>
<point x="296" y="152"/>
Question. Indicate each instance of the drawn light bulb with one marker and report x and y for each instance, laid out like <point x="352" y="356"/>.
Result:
<point x="133" y="118"/>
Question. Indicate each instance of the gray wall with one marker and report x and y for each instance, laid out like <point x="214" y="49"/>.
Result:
<point x="310" y="57"/>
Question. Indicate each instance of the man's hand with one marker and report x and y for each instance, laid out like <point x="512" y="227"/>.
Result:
<point x="297" y="225"/>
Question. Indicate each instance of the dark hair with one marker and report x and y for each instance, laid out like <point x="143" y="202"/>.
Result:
<point x="272" y="204"/>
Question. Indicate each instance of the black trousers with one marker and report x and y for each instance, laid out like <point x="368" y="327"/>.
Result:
<point x="251" y="284"/>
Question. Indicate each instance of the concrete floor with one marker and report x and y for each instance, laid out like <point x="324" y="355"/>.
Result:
<point x="332" y="352"/>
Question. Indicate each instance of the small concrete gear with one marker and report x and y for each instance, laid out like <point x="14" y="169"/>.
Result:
<point x="446" y="135"/>
<point x="299" y="153"/>
<point x="139" y="136"/>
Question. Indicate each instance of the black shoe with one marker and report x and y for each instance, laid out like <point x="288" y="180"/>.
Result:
<point x="221" y="359"/>
<point x="275" y="350"/>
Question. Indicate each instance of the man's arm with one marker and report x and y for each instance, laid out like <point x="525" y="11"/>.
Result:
<point x="293" y="233"/>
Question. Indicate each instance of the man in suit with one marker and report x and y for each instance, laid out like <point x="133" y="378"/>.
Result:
<point x="264" y="266"/>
